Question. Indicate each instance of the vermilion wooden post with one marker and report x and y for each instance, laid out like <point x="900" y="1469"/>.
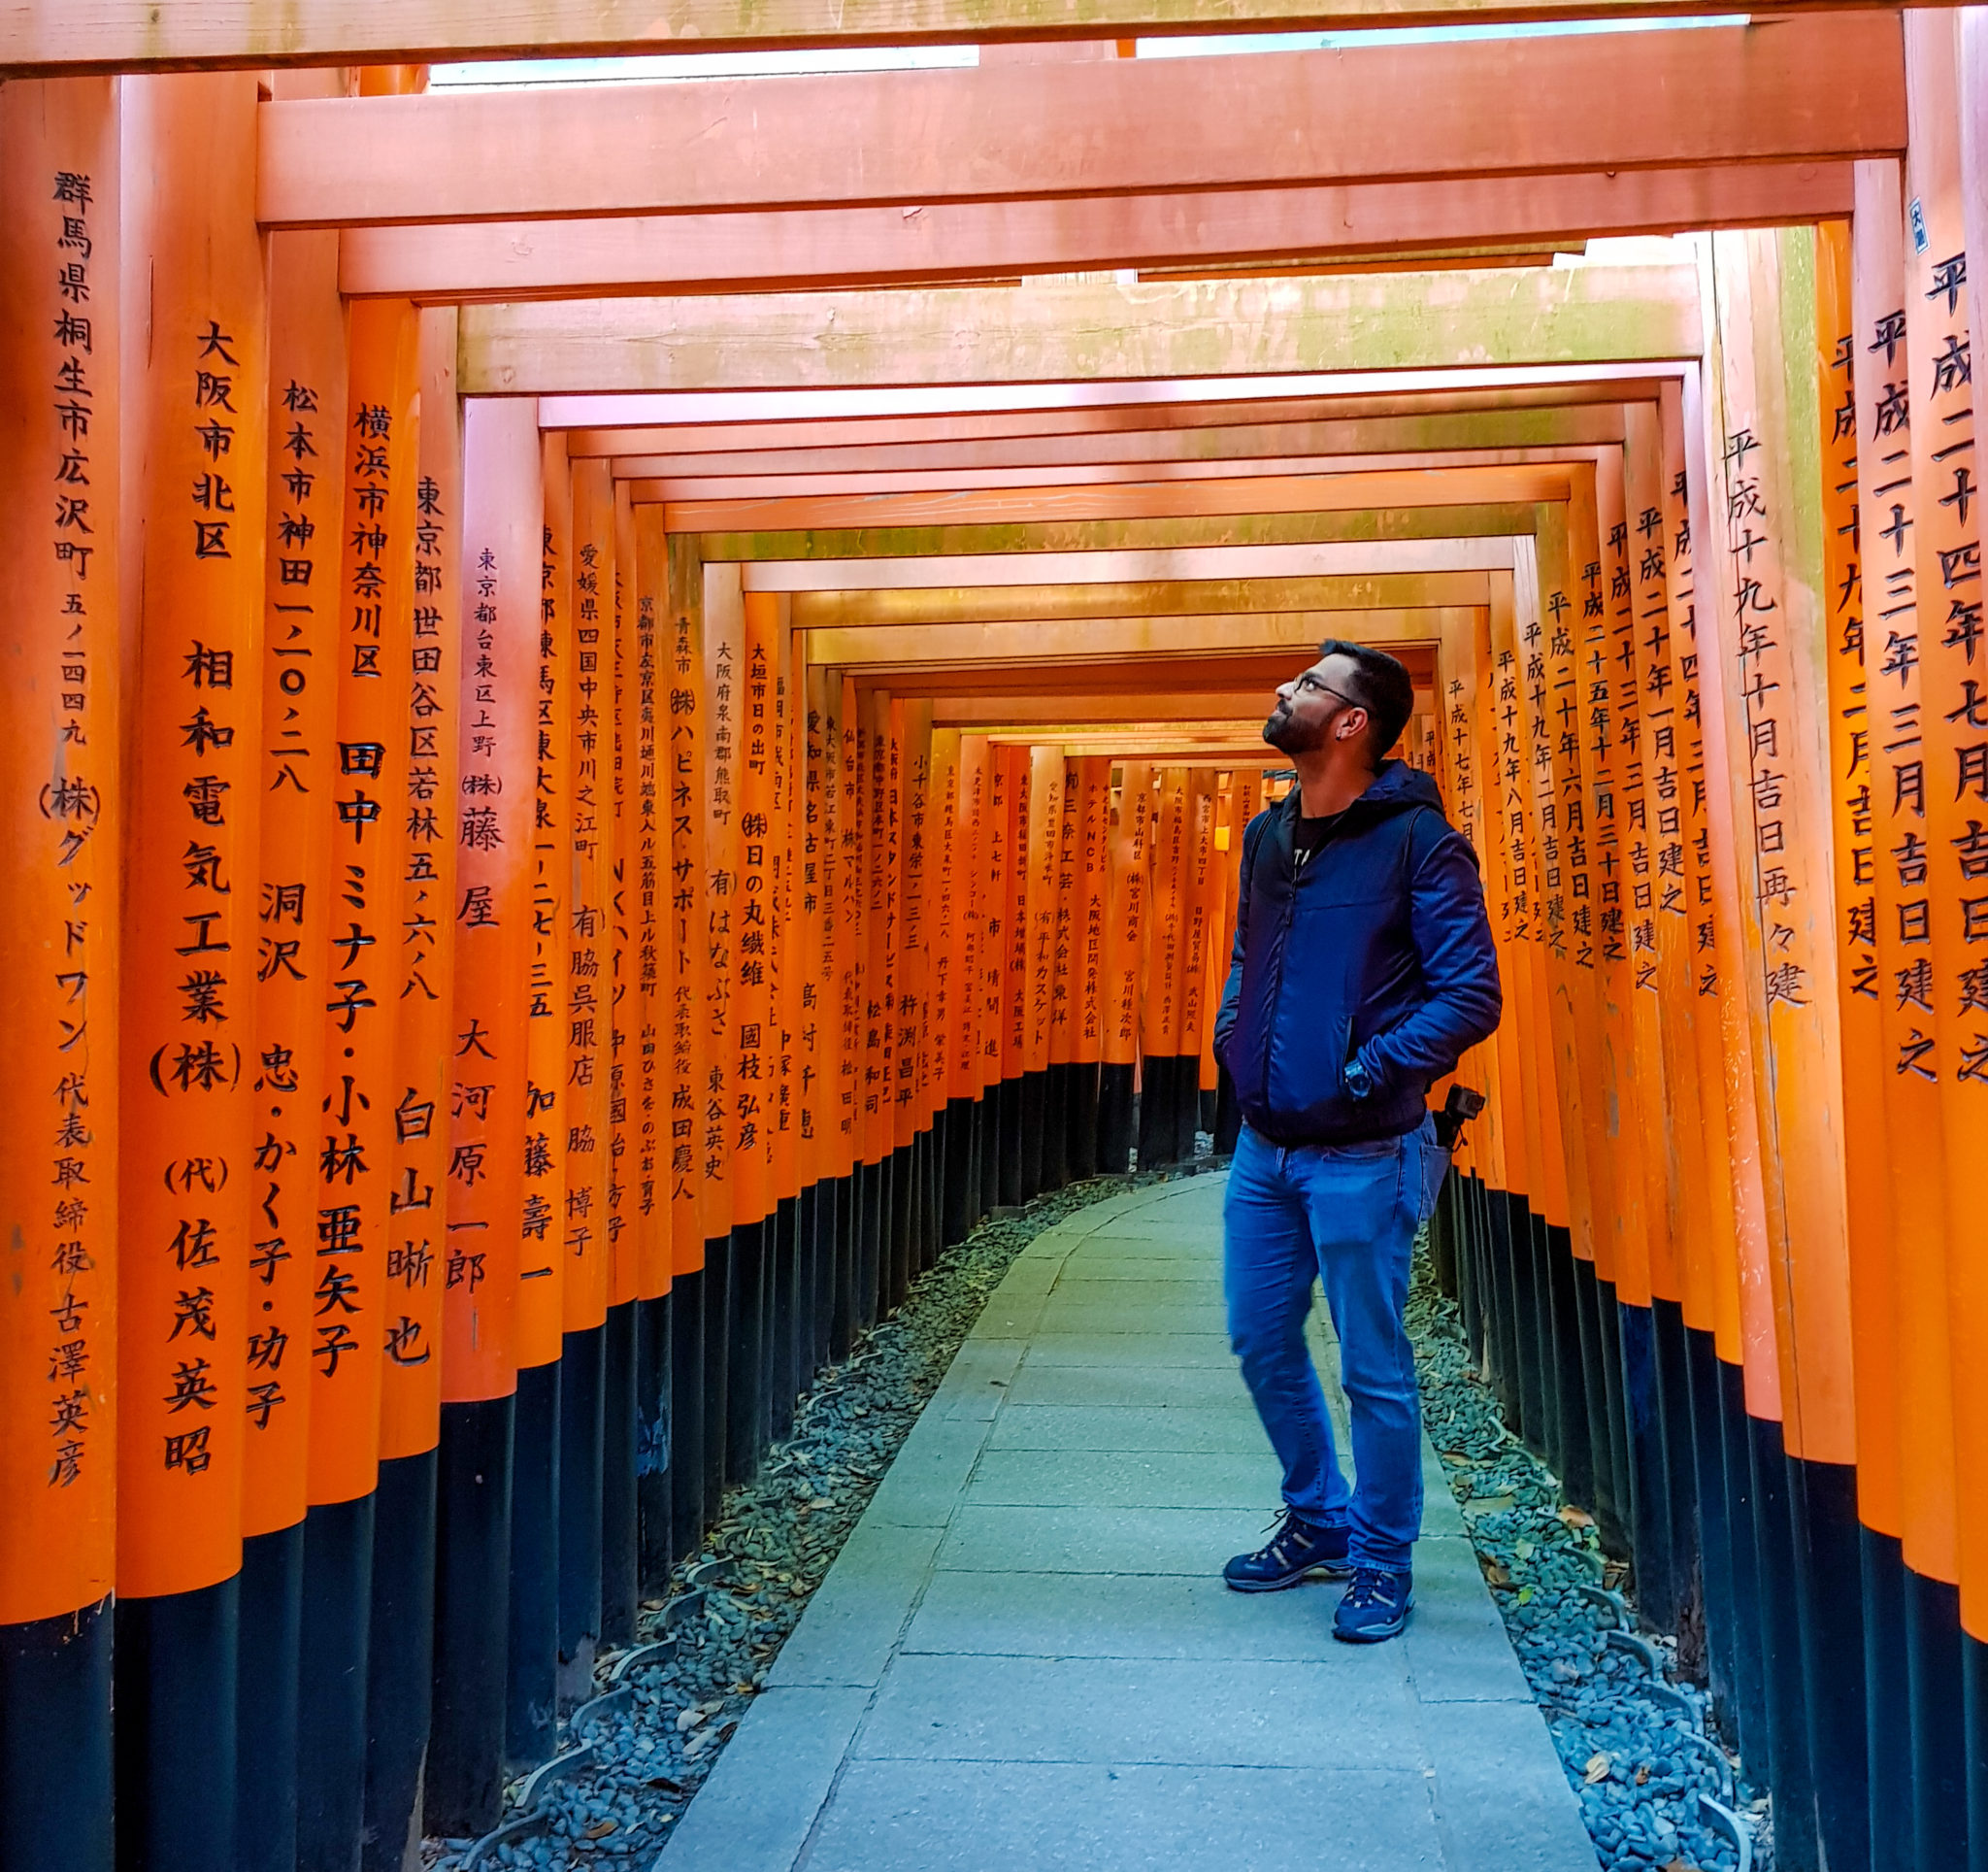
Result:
<point x="531" y="1694"/>
<point x="744" y="708"/>
<point x="1159" y="1013"/>
<point x="374" y="451"/>
<point x="62" y="796"/>
<point x="1125" y="918"/>
<point x="1039" y="967"/>
<point x="302" y="619"/>
<point x="911" y="1133"/>
<point x="195" y="428"/>
<point x="684" y="783"/>
<point x="583" y="1079"/>
<point x="1087" y="959"/>
<point x="943" y="917"/>
<point x="1013" y="994"/>
<point x="965" y="1084"/>
<point x="887" y="903"/>
<point x="479" y="1260"/>
<point x="645" y="909"/>
<point x="619" y="1011"/>
<point x="1201" y="903"/>
<point x="730" y="1182"/>
<point x="400" y="1648"/>
<point x="1943" y="1275"/>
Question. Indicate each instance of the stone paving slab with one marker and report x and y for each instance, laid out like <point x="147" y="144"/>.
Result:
<point x="1024" y="1656"/>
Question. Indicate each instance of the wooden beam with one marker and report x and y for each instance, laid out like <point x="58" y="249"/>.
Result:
<point x="1355" y="392"/>
<point x="1145" y="598"/>
<point x="1366" y="532"/>
<point x="1270" y="437"/>
<point x="38" y="37"/>
<point x="1084" y="329"/>
<point x="1115" y="639"/>
<point x="1303" y="493"/>
<point x="992" y="710"/>
<point x="1821" y="86"/>
<point x="966" y="241"/>
<point x="608" y="425"/>
<point x="1208" y="671"/>
<point x="1101" y="565"/>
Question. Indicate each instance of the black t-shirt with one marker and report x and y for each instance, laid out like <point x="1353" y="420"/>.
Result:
<point x="1308" y="837"/>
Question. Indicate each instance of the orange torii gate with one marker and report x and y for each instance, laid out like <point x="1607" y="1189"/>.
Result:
<point x="994" y="661"/>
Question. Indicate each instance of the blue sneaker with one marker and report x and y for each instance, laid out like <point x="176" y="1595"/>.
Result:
<point x="1377" y="1605"/>
<point x="1296" y="1553"/>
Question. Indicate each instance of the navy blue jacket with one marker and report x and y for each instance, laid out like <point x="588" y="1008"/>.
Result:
<point x="1378" y="950"/>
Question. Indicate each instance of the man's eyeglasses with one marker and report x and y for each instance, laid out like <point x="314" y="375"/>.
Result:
<point x="1312" y="685"/>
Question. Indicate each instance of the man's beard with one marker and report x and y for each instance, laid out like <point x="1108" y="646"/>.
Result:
<point x="1288" y="736"/>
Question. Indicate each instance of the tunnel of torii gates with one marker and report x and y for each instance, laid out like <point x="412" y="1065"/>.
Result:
<point x="614" y="730"/>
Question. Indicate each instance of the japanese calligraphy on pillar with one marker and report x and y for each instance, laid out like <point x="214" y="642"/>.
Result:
<point x="486" y="1263"/>
<point x="59" y="946"/>
<point x="361" y="1090"/>
<point x="187" y="1045"/>
<point x="424" y="1158"/>
<point x="299" y="764"/>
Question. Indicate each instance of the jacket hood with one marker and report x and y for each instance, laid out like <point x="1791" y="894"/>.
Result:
<point x="1395" y="786"/>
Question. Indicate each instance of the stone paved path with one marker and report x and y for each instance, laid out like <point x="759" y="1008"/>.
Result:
<point x="1026" y="1658"/>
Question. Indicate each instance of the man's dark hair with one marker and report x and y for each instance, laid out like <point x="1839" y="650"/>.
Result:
<point x="1381" y="685"/>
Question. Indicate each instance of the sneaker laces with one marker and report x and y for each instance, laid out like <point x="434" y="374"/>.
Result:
<point x="1373" y="1585"/>
<point x="1285" y="1527"/>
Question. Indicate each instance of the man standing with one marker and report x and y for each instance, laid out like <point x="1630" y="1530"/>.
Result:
<point x="1363" y="969"/>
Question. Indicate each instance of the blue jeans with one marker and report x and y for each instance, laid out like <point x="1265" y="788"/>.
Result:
<point x="1347" y="1214"/>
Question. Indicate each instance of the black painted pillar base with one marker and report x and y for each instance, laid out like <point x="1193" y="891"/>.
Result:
<point x="619" y="1412"/>
<point x="1114" y="1120"/>
<point x="1010" y="1094"/>
<point x="265" y="1702"/>
<point x="717" y="1376"/>
<point x="1975" y="1696"/>
<point x="1228" y="1114"/>
<point x="1887" y="1700"/>
<point x="654" y="1452"/>
<point x="1566" y="1380"/>
<point x="174" y="1677"/>
<point x="686" y="1413"/>
<point x="331" y="1682"/>
<point x="898" y="1260"/>
<point x="531" y="1703"/>
<point x="1155" y="1111"/>
<point x="1791" y="1775"/>
<point x="960" y="1205"/>
<point x="1056" y="1126"/>
<point x="1830" y="1605"/>
<point x="1080" y="1124"/>
<point x="745" y="1381"/>
<point x="400" y="1660"/>
<point x="1032" y="1095"/>
<point x="463" y="1791"/>
<point x="988" y="1115"/>
<point x="56" y="1742"/>
<point x="1658" y="1598"/>
<point x="1933" y="1665"/>
<point x="1714" y="1532"/>
<point x="583" y="1360"/>
<point x="787" y="1314"/>
<point x="841" y="1320"/>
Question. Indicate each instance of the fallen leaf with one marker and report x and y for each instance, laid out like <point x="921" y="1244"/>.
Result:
<point x="1598" y="1766"/>
<point x="1525" y="1595"/>
<point x="1642" y="1775"/>
<point x="689" y="1719"/>
<point x="1523" y="1548"/>
<point x="1495" y="1572"/>
<point x="599" y="1831"/>
<point x="1577" y="1517"/>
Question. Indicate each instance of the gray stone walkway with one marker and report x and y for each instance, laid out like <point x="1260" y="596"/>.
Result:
<point x="1025" y="1657"/>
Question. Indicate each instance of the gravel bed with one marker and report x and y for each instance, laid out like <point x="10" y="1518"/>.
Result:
<point x="775" y="1540"/>
<point x="1633" y="1743"/>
